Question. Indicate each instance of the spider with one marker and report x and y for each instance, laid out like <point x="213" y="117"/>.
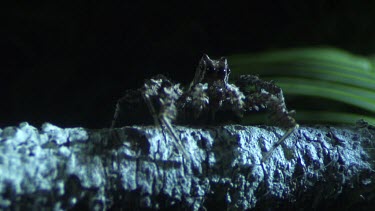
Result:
<point x="209" y="99"/>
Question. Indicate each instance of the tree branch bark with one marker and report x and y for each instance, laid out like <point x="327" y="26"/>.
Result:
<point x="137" y="167"/>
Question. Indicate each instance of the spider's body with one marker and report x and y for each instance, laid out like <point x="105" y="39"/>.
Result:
<point x="209" y="99"/>
<point x="210" y="94"/>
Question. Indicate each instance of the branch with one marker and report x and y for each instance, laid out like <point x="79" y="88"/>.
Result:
<point x="138" y="167"/>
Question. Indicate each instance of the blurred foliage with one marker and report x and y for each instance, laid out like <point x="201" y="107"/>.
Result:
<point x="324" y="85"/>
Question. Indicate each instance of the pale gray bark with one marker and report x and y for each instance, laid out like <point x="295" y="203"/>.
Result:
<point x="138" y="167"/>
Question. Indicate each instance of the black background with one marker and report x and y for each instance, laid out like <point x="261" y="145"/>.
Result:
<point x="67" y="62"/>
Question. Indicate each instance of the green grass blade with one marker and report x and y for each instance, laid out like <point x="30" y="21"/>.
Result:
<point x="314" y="117"/>
<point x="358" y="97"/>
<point x="320" y="56"/>
<point x="319" y="72"/>
<point x="328" y="73"/>
<point x="331" y="117"/>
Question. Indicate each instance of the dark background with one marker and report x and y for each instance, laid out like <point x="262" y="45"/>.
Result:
<point x="67" y="62"/>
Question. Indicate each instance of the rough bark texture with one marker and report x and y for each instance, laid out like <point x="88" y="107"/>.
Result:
<point x="138" y="167"/>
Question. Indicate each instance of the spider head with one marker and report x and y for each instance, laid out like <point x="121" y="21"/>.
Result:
<point x="211" y="71"/>
<point x="214" y="70"/>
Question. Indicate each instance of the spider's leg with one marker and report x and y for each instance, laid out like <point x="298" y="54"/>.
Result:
<point x="281" y="140"/>
<point x="161" y="120"/>
<point x="165" y="97"/>
<point x="200" y="71"/>
<point x="177" y="141"/>
<point x="282" y="117"/>
<point x="270" y="96"/>
<point x="117" y="112"/>
<point x="151" y="108"/>
<point x="130" y="104"/>
<point x="267" y="95"/>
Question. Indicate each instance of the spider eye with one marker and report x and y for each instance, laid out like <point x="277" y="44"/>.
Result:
<point x="223" y="71"/>
<point x="210" y="69"/>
